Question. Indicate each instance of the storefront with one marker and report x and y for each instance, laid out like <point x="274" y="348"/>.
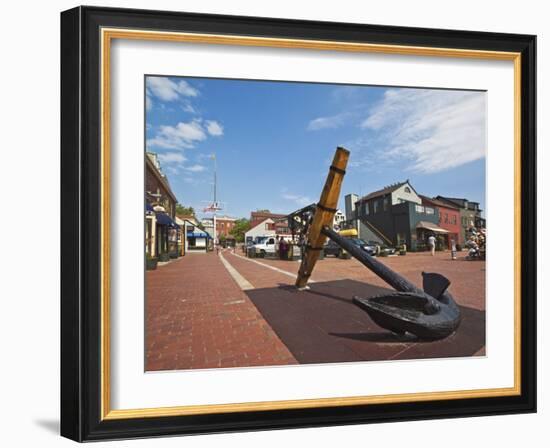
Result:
<point x="425" y="229"/>
<point x="150" y="231"/>
<point x="166" y="236"/>
<point x="198" y="240"/>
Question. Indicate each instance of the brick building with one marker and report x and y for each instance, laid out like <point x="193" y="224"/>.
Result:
<point x="470" y="214"/>
<point x="279" y="224"/>
<point x="224" y="225"/>
<point x="449" y="219"/>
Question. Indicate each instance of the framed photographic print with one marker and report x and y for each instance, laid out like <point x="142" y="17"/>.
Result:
<point x="273" y="223"/>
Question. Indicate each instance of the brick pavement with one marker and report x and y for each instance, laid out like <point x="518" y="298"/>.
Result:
<point x="200" y="320"/>
<point x="197" y="317"/>
<point x="319" y="330"/>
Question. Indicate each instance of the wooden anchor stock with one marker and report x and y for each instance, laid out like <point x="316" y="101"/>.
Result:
<point x="324" y="215"/>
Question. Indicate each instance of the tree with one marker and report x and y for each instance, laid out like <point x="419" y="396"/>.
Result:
<point x="182" y="210"/>
<point x="239" y="229"/>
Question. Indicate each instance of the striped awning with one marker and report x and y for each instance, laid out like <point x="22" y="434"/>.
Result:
<point x="431" y="226"/>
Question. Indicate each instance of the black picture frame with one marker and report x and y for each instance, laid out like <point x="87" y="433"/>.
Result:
<point x="81" y="223"/>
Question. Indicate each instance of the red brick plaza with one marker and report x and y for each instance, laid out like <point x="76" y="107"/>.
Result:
<point x="200" y="315"/>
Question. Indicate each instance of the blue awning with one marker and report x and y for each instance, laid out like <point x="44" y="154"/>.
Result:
<point x="198" y="235"/>
<point x="165" y="220"/>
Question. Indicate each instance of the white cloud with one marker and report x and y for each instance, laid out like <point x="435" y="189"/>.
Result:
<point x="434" y="129"/>
<point x="195" y="168"/>
<point x="214" y="128"/>
<point x="182" y="135"/>
<point x="331" y="122"/>
<point x="188" y="107"/>
<point x="168" y="90"/>
<point x="174" y="163"/>
<point x="298" y="199"/>
<point x="171" y="157"/>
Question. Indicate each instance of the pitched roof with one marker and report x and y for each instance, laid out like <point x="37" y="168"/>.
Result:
<point x="438" y="202"/>
<point x="258" y="215"/>
<point x="386" y="190"/>
<point x="264" y="221"/>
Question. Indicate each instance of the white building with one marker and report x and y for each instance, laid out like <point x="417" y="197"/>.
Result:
<point x="339" y="219"/>
<point x="196" y="239"/>
<point x="264" y="228"/>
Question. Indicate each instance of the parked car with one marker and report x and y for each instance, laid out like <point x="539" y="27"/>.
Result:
<point x="384" y="251"/>
<point x="331" y="248"/>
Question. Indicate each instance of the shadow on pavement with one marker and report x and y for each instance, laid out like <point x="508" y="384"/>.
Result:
<point x="322" y="325"/>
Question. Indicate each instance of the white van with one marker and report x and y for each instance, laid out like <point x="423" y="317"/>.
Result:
<point x="265" y="245"/>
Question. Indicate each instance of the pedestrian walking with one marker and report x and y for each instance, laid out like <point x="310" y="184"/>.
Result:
<point x="431" y="244"/>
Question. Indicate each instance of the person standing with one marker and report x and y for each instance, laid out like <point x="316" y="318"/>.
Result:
<point x="453" y="249"/>
<point x="282" y="249"/>
<point x="431" y="244"/>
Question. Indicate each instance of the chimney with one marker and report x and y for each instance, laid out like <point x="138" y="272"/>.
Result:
<point x="350" y="200"/>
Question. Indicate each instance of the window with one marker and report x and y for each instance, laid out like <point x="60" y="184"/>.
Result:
<point x="419" y="208"/>
<point x="385" y="205"/>
<point x="453" y="219"/>
<point x="407" y="190"/>
<point x="366" y="208"/>
<point x="375" y="206"/>
<point x="446" y="218"/>
<point x="266" y="226"/>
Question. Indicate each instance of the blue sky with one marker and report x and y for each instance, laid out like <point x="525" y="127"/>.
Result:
<point x="274" y="140"/>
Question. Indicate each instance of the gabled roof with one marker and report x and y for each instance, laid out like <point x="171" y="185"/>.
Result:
<point x="187" y="217"/>
<point x="386" y="190"/>
<point x="439" y="203"/>
<point x="264" y="215"/>
<point x="459" y="202"/>
<point x="263" y="221"/>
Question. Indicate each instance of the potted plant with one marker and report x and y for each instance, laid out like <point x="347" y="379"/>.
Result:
<point x="164" y="257"/>
<point x="150" y="263"/>
<point x="403" y="249"/>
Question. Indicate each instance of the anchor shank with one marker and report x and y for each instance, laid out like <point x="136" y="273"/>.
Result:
<point x="391" y="277"/>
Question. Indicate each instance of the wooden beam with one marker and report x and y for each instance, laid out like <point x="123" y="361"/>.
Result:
<point x="324" y="215"/>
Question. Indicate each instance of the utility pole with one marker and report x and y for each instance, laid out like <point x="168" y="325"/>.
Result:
<point x="215" y="205"/>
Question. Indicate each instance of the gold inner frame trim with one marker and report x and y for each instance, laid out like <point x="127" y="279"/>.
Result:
<point x="107" y="35"/>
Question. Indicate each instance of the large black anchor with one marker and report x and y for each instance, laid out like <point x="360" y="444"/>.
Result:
<point x="430" y="314"/>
